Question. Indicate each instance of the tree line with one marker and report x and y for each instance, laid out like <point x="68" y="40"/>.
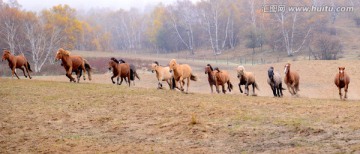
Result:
<point x="214" y="25"/>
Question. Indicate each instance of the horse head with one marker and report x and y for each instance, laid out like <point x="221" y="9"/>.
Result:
<point x="61" y="53"/>
<point x="271" y="73"/>
<point x="154" y="66"/>
<point x="112" y="64"/>
<point x="6" y="55"/>
<point x="241" y="71"/>
<point x="172" y="65"/>
<point x="287" y="68"/>
<point x="341" y="73"/>
<point x="208" y="69"/>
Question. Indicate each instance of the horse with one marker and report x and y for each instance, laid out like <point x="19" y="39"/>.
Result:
<point x="133" y="73"/>
<point x="217" y="77"/>
<point x="291" y="80"/>
<point x="163" y="74"/>
<point x="119" y="70"/>
<point x="70" y="63"/>
<point x="87" y="67"/>
<point x="15" y="62"/>
<point x="182" y="72"/>
<point x="275" y="82"/>
<point x="246" y="78"/>
<point x="342" y="80"/>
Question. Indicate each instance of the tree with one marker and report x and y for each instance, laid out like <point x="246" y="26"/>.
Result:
<point x="327" y="47"/>
<point x="42" y="41"/>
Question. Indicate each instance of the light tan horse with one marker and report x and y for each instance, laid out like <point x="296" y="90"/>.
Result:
<point x="17" y="62"/>
<point x="246" y="78"/>
<point x="163" y="74"/>
<point x="291" y="79"/>
<point x="70" y="63"/>
<point x="342" y="80"/>
<point x="182" y="72"/>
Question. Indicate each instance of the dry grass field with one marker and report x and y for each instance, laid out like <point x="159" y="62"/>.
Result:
<point x="50" y="115"/>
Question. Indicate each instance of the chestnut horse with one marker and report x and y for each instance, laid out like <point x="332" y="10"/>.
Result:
<point x="133" y="73"/>
<point x="17" y="62"/>
<point x="217" y="77"/>
<point x="291" y="80"/>
<point x="163" y="74"/>
<point x="275" y="82"/>
<point x="119" y="70"/>
<point x="70" y="63"/>
<point x="182" y="72"/>
<point x="342" y="80"/>
<point x="246" y="78"/>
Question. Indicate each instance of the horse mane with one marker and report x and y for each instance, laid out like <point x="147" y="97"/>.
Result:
<point x="157" y="63"/>
<point x="217" y="69"/>
<point x="121" y="61"/>
<point x="210" y="67"/>
<point x="114" y="59"/>
<point x="65" y="52"/>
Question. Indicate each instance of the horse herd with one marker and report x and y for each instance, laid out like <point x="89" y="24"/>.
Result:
<point x="176" y="74"/>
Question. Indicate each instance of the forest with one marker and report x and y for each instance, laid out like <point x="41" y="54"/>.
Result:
<point x="215" y="26"/>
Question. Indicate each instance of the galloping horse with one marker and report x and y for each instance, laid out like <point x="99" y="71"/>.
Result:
<point x="70" y="63"/>
<point x="275" y="82"/>
<point x="342" y="80"/>
<point x="17" y="62"/>
<point x="163" y="74"/>
<point x="217" y="77"/>
<point x="291" y="79"/>
<point x="119" y="70"/>
<point x="182" y="72"/>
<point x="246" y="78"/>
<point x="87" y="67"/>
<point x="133" y="73"/>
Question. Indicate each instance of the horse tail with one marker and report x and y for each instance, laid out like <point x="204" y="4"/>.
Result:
<point x="88" y="68"/>
<point x="136" y="75"/>
<point x="28" y="66"/>
<point x="132" y="75"/>
<point x="193" y="77"/>
<point x="230" y="86"/>
<point x="256" y="86"/>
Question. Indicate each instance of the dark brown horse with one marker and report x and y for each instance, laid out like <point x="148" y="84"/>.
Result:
<point x="291" y="80"/>
<point x="70" y="63"/>
<point x="119" y="70"/>
<point x="342" y="80"/>
<point x="19" y="62"/>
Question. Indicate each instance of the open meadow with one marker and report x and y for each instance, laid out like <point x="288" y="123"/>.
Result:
<point x="48" y="114"/>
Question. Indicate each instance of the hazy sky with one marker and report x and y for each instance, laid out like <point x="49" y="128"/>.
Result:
<point x="37" y="5"/>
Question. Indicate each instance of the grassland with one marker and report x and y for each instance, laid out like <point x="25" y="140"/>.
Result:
<point x="62" y="117"/>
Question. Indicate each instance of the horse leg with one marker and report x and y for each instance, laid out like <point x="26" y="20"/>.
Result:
<point x="340" y="93"/>
<point x="246" y="89"/>
<point x="112" y="79"/>
<point x="241" y="91"/>
<point x="211" y="87"/>
<point x="23" y="71"/>
<point x="253" y="86"/>
<point x="121" y="80"/>
<point x="274" y="90"/>
<point x="223" y="88"/>
<point x="181" y="82"/>
<point x="14" y="72"/>
<point x="280" y="88"/>
<point x="346" y="89"/>
<point x="68" y="74"/>
<point x="84" y="69"/>
<point x="289" y="88"/>
<point x="129" y="79"/>
<point x="188" y="84"/>
<point x="217" y="87"/>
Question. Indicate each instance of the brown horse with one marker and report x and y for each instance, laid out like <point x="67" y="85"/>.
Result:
<point x="246" y="78"/>
<point x="217" y="77"/>
<point x="133" y="72"/>
<point x="17" y="62"/>
<point x="163" y="74"/>
<point x="119" y="70"/>
<point x="342" y="80"/>
<point x="70" y="63"/>
<point x="182" y="72"/>
<point x="291" y="80"/>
